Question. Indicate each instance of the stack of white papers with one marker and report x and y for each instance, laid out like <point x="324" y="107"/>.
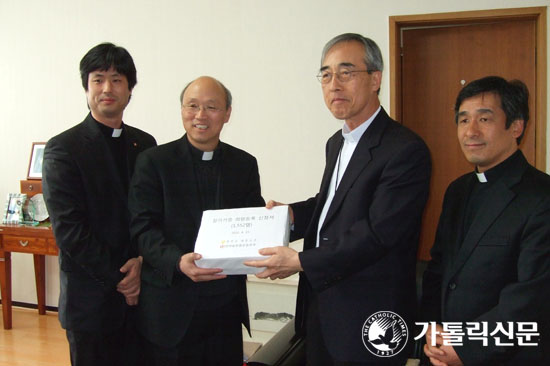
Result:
<point x="227" y="238"/>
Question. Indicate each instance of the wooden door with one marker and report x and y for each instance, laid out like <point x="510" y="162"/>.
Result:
<point x="436" y="63"/>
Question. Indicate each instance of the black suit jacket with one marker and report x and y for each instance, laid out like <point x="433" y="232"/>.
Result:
<point x="500" y="272"/>
<point x="366" y="259"/>
<point x="87" y="203"/>
<point x="166" y="215"/>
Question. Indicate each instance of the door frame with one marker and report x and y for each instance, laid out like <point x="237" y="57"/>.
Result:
<point x="397" y="23"/>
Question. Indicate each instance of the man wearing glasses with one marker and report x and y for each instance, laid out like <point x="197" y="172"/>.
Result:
<point x="190" y="315"/>
<point x="361" y="230"/>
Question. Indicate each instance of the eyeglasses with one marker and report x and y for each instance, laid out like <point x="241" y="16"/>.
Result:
<point x="195" y="108"/>
<point x="325" y="77"/>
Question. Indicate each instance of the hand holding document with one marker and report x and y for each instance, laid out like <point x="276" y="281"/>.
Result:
<point x="281" y="263"/>
<point x="227" y="238"/>
<point x="189" y="267"/>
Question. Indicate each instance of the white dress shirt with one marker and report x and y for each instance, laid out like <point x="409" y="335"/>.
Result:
<point x="351" y="139"/>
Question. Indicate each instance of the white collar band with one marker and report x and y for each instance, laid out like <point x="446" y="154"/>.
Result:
<point x="207" y="155"/>
<point x="116" y="132"/>
<point x="481" y="177"/>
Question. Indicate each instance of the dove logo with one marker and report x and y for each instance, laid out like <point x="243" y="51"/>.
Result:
<point x="385" y="334"/>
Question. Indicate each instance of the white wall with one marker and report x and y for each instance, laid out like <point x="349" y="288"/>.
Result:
<point x="266" y="52"/>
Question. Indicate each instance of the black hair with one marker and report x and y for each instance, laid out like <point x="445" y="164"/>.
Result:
<point x="103" y="57"/>
<point x="514" y="98"/>
<point x="372" y="57"/>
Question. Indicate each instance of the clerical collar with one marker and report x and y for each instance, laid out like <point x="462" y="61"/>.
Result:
<point x="481" y="177"/>
<point x="204" y="155"/>
<point x="108" y="131"/>
<point x="355" y="135"/>
<point x="116" y="132"/>
<point x="498" y="171"/>
<point x="207" y="155"/>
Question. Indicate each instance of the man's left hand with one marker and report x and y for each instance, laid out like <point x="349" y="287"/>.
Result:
<point x="130" y="285"/>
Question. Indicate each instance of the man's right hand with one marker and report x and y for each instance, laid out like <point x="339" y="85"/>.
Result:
<point x="197" y="274"/>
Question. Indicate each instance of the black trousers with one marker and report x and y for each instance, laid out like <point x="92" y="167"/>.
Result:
<point x="114" y="348"/>
<point x="214" y="338"/>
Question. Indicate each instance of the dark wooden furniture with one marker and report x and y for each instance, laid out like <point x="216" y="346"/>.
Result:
<point x="31" y="187"/>
<point x="36" y="240"/>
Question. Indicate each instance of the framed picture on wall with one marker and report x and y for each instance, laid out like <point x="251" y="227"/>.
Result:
<point x="35" y="164"/>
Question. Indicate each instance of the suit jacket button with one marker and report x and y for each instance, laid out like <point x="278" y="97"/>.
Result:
<point x="452" y="286"/>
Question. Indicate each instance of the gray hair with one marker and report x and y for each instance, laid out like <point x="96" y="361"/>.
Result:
<point x="228" y="97"/>
<point x="373" y="56"/>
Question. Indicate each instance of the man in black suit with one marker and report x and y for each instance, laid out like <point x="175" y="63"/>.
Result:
<point x="491" y="257"/>
<point x="361" y="230"/>
<point x="86" y="173"/>
<point x="191" y="315"/>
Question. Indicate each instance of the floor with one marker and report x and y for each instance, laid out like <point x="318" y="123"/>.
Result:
<point x="34" y="340"/>
<point x="39" y="340"/>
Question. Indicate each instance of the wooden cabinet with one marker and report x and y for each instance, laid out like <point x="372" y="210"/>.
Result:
<point x="31" y="187"/>
<point x="29" y="244"/>
<point x="28" y="239"/>
<point x="35" y="240"/>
